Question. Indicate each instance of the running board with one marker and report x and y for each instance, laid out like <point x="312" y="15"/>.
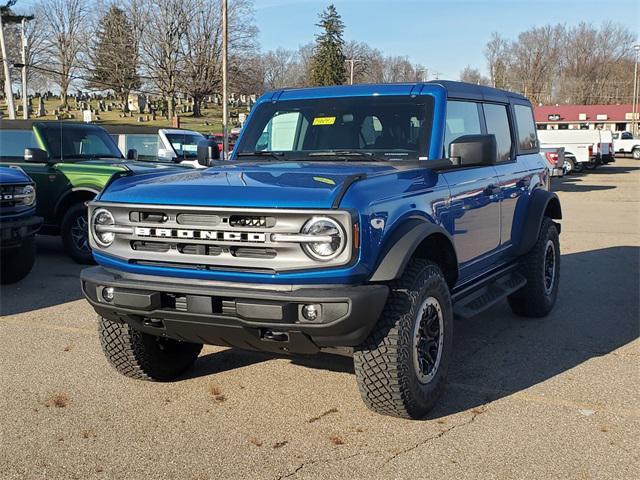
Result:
<point x="470" y="303"/>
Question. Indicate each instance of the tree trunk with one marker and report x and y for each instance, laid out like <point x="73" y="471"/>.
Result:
<point x="197" y="103"/>
<point x="171" y="106"/>
<point x="125" y="102"/>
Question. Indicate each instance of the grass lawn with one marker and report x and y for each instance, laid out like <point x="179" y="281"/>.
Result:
<point x="210" y="122"/>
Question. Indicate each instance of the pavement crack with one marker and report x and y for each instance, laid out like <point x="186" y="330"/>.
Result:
<point x="476" y="411"/>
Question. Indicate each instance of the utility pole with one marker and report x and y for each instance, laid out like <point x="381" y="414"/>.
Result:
<point x="7" y="75"/>
<point x="225" y="101"/>
<point x="351" y="62"/>
<point x="25" y="103"/>
<point x="634" y="115"/>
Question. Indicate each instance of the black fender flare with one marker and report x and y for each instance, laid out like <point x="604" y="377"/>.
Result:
<point x="541" y="202"/>
<point x="72" y="191"/>
<point x="402" y="245"/>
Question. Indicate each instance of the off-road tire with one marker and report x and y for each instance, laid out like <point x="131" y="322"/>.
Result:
<point x="142" y="356"/>
<point x="533" y="300"/>
<point x="384" y="362"/>
<point x="16" y="263"/>
<point x="74" y="214"/>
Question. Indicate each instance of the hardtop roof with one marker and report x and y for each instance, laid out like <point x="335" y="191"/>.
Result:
<point x="459" y="90"/>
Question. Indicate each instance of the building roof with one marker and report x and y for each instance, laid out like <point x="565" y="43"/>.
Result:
<point x="571" y="113"/>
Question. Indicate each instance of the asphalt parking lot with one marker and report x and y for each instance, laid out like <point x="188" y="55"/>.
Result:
<point x="551" y="398"/>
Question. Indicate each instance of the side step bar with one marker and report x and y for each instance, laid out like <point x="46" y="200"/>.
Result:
<point x="471" y="301"/>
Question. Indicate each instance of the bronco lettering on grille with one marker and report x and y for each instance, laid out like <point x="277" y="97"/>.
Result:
<point x="200" y="234"/>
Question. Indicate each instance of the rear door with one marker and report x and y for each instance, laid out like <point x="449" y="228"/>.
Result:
<point x="513" y="176"/>
<point x="473" y="217"/>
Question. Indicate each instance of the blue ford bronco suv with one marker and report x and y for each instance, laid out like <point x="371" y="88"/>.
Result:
<point x="18" y="224"/>
<point x="360" y="216"/>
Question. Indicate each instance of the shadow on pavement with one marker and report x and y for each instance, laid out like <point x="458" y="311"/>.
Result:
<point x="498" y="353"/>
<point x="54" y="280"/>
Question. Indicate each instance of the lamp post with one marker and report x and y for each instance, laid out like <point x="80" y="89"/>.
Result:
<point x="634" y="115"/>
<point x="225" y="101"/>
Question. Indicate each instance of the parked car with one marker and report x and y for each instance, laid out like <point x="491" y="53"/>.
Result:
<point x="554" y="156"/>
<point x="624" y="143"/>
<point x="70" y="163"/>
<point x="581" y="147"/>
<point x="372" y="215"/>
<point x="158" y="144"/>
<point x="18" y="224"/>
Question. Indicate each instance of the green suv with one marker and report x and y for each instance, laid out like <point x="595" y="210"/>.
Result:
<point x="70" y="164"/>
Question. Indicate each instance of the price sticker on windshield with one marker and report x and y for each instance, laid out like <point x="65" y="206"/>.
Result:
<point x="324" y="121"/>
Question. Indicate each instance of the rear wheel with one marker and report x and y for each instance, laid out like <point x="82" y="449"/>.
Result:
<point x="143" y="356"/>
<point x="16" y="263"/>
<point x="568" y="165"/>
<point x="636" y="153"/>
<point x="578" y="167"/>
<point x="401" y="367"/>
<point x="75" y="234"/>
<point x="541" y="268"/>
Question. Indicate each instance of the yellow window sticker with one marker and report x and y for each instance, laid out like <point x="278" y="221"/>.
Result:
<point x="324" y="121"/>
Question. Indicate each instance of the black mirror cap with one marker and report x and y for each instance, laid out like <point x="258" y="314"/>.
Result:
<point x="474" y="150"/>
<point x="208" y="152"/>
<point x="132" y="154"/>
<point x="35" y="155"/>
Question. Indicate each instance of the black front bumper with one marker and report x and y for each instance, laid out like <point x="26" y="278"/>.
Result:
<point x="246" y="317"/>
<point x="14" y="232"/>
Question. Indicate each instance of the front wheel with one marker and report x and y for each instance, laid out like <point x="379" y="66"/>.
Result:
<point x="541" y="268"/>
<point x="142" y="356"/>
<point x="16" y="263"/>
<point x="402" y="365"/>
<point x="75" y="234"/>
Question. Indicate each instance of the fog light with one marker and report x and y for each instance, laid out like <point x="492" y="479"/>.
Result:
<point x="311" y="312"/>
<point x="107" y="294"/>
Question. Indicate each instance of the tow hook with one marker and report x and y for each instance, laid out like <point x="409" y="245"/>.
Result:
<point x="272" y="336"/>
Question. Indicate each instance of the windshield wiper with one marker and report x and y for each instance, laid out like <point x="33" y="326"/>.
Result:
<point x="353" y="153"/>
<point x="261" y="153"/>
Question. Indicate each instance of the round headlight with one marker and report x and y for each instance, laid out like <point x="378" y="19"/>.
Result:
<point x="101" y="218"/>
<point x="325" y="227"/>
<point x="28" y="193"/>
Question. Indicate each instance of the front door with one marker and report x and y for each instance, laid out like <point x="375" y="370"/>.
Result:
<point x="473" y="216"/>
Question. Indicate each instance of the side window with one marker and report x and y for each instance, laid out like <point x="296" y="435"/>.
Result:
<point x="527" y="138"/>
<point x="462" y="119"/>
<point x="497" y="121"/>
<point x="13" y="143"/>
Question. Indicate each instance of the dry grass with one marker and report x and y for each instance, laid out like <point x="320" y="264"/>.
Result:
<point x="89" y="433"/>
<point x="216" y="392"/>
<point x="324" y="414"/>
<point x="336" y="439"/>
<point x="58" y="400"/>
<point x="280" y="444"/>
<point x="255" y="441"/>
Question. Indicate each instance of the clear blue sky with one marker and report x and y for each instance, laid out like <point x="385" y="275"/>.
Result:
<point x="443" y="35"/>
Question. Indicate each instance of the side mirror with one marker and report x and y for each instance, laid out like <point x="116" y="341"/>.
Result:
<point x="132" y="154"/>
<point x="474" y="150"/>
<point x="208" y="152"/>
<point x="35" y="155"/>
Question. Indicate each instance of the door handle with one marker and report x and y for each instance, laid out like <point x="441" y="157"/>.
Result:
<point x="492" y="190"/>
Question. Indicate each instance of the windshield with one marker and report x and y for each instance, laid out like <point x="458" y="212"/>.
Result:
<point x="388" y="128"/>
<point x="74" y="142"/>
<point x="185" y="144"/>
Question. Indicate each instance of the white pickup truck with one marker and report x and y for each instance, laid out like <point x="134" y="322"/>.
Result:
<point x="623" y="142"/>
<point x="580" y="147"/>
<point x="160" y="144"/>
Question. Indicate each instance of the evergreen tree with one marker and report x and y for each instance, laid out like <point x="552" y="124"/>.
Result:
<point x="328" y="62"/>
<point x="113" y="55"/>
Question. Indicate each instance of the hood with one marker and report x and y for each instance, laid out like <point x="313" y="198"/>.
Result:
<point x="10" y="175"/>
<point x="259" y="184"/>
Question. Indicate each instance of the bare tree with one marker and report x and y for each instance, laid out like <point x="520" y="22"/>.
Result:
<point x="496" y="54"/>
<point x="473" y="75"/>
<point x="166" y="23"/>
<point x="65" y="23"/>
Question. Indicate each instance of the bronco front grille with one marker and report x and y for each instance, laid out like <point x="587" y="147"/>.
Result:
<point x="216" y="238"/>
